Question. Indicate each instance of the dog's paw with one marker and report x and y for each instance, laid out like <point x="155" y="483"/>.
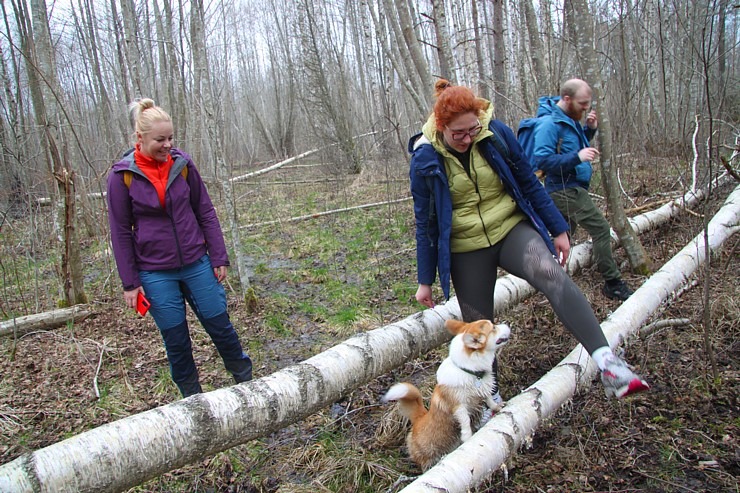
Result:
<point x="495" y="404"/>
<point x="465" y="435"/>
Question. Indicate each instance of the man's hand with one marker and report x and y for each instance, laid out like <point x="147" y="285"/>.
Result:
<point x="592" y="121"/>
<point x="588" y="154"/>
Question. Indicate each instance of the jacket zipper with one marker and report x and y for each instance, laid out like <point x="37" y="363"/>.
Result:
<point x="174" y="230"/>
<point x="480" y="199"/>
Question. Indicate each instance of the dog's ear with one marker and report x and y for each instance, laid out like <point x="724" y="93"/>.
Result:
<point x="474" y="340"/>
<point x="454" y="326"/>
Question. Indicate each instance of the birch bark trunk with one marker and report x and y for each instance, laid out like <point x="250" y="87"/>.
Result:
<point x="406" y="78"/>
<point x="444" y="51"/>
<point x="215" y="124"/>
<point x="414" y="47"/>
<point x="48" y="106"/>
<point x="577" y="12"/>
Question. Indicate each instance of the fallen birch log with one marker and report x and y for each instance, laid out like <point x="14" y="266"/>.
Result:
<point x="581" y="255"/>
<point x="127" y="452"/>
<point x="273" y="167"/>
<point x="285" y="162"/>
<point x="486" y="452"/>
<point x="324" y="213"/>
<point x="46" y="320"/>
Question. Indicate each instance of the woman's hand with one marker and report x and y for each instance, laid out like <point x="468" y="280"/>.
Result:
<point x="220" y="273"/>
<point x="562" y="247"/>
<point x="129" y="297"/>
<point x="424" y="295"/>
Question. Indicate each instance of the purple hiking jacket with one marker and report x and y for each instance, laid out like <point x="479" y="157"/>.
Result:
<point x="146" y="236"/>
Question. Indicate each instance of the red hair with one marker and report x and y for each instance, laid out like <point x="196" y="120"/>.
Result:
<point x="453" y="101"/>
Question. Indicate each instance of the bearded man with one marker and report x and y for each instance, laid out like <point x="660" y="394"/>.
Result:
<point x="563" y="152"/>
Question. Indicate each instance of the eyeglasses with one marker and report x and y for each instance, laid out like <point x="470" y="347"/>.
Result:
<point x="459" y="135"/>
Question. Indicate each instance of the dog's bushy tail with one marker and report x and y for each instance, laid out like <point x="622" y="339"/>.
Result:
<point x="409" y="398"/>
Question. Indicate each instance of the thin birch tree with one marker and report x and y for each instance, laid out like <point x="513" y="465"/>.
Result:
<point x="580" y="19"/>
<point x="444" y="51"/>
<point x="48" y="107"/>
<point x="499" y="55"/>
<point x="211" y="108"/>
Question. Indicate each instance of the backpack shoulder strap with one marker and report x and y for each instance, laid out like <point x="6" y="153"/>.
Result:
<point x="498" y="141"/>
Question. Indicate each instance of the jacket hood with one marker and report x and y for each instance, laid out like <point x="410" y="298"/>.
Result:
<point x="127" y="160"/>
<point x="548" y="105"/>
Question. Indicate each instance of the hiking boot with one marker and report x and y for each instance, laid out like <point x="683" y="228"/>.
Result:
<point x="619" y="381"/>
<point x="616" y="289"/>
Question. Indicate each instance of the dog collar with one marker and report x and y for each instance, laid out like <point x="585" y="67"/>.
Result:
<point x="477" y="374"/>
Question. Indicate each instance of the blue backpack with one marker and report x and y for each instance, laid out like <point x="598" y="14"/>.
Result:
<point x="525" y="136"/>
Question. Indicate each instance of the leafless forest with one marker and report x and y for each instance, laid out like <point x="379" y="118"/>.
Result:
<point x="332" y="90"/>
<point x="250" y="83"/>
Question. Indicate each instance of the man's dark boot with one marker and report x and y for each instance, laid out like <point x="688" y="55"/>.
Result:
<point x="227" y="342"/>
<point x="616" y="289"/>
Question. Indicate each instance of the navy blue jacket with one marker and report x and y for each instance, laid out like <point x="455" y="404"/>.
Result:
<point x="433" y="203"/>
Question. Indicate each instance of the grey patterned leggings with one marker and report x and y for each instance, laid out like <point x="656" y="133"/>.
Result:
<point x="524" y="254"/>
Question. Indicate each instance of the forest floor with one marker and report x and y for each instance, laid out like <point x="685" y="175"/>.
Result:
<point x="315" y="290"/>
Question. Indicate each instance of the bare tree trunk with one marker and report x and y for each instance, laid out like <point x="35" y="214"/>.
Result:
<point x="418" y="59"/>
<point x="444" y="51"/>
<point x="420" y="99"/>
<point x="482" y="88"/>
<point x="536" y="50"/>
<point x="12" y="172"/>
<point x="117" y="29"/>
<point x="366" y="44"/>
<point x="722" y="79"/>
<point x="48" y="111"/>
<point x="211" y="108"/>
<point x="499" y="56"/>
<point x="150" y="77"/>
<point x="130" y="45"/>
<point x="44" y="321"/>
<point x="578" y="15"/>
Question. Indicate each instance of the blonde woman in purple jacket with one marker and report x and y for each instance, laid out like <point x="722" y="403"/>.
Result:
<point x="168" y="245"/>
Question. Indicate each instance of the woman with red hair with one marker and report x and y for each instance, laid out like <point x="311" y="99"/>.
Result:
<point x="478" y="206"/>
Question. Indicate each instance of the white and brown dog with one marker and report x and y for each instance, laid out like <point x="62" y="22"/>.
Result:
<point x="464" y="384"/>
